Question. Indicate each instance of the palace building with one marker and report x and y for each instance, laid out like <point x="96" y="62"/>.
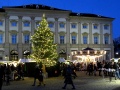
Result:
<point x="72" y="31"/>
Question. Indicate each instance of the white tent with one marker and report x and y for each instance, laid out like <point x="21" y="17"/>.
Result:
<point x="25" y="60"/>
<point x="61" y="59"/>
<point x="4" y="61"/>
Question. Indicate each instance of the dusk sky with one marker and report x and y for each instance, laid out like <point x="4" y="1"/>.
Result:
<point x="108" y="8"/>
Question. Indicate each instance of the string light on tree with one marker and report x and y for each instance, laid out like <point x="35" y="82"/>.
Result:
<point x="43" y="47"/>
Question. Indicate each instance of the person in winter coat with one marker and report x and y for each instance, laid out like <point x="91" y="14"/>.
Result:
<point x="40" y="78"/>
<point x="68" y="78"/>
<point x="1" y="76"/>
<point x="36" y="74"/>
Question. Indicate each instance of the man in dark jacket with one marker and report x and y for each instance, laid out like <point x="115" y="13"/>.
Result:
<point x="36" y="74"/>
<point x="68" y="78"/>
<point x="1" y="76"/>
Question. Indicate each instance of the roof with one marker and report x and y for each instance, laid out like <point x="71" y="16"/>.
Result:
<point x="87" y="15"/>
<point x="88" y="48"/>
<point x="44" y="7"/>
<point x="35" y="6"/>
<point x="2" y="10"/>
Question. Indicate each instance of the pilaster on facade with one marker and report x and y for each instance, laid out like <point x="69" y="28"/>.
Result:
<point x="20" y="29"/>
<point x="7" y="29"/>
<point x="79" y="35"/>
<point x="90" y="33"/>
<point x="56" y="30"/>
<point x="68" y="30"/>
<point x="7" y="45"/>
<point x="32" y="25"/>
<point x="101" y="34"/>
<point x="19" y="46"/>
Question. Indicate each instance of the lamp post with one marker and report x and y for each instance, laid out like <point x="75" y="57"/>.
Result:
<point x="116" y="54"/>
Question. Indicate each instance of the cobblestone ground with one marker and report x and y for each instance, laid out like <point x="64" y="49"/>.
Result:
<point x="82" y="82"/>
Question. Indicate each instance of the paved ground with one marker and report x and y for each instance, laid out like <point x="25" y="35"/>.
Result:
<point x="82" y="82"/>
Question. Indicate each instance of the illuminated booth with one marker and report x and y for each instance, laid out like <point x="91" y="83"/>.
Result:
<point x="88" y="55"/>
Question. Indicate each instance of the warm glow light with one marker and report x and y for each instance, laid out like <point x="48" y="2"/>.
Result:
<point x="75" y="52"/>
<point x="88" y="52"/>
<point x="81" y="52"/>
<point x="95" y="52"/>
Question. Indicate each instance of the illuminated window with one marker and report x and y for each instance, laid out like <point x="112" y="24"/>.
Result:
<point x="1" y="38"/>
<point x="1" y="23"/>
<point x="61" y="39"/>
<point x="95" y="26"/>
<point x="26" y="24"/>
<point x="84" y="26"/>
<point x="26" y="38"/>
<point x="51" y="25"/>
<point x="106" y="27"/>
<point x="84" y="39"/>
<point x="95" y="40"/>
<point x="62" y="25"/>
<point x="13" y="23"/>
<point x="14" y="38"/>
<point x="73" y="39"/>
<point x="73" y="25"/>
<point x="106" y="40"/>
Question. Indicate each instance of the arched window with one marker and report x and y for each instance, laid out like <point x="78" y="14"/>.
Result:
<point x="26" y="54"/>
<point x="14" y="55"/>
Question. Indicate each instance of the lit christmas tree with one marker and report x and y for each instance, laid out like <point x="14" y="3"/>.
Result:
<point x="43" y="48"/>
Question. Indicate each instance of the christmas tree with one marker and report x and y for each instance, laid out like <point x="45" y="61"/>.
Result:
<point x="43" y="47"/>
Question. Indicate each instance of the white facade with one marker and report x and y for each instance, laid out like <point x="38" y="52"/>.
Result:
<point x="71" y="32"/>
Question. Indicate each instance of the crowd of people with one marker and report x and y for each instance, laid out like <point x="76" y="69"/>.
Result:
<point x="111" y="69"/>
<point x="104" y="69"/>
<point x="10" y="72"/>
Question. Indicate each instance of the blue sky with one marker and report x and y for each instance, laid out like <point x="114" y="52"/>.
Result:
<point x="109" y="8"/>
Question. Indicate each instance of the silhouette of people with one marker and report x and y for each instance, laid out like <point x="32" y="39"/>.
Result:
<point x="8" y="72"/>
<point x="68" y="78"/>
<point x="36" y="74"/>
<point x="1" y="76"/>
<point x="40" y="78"/>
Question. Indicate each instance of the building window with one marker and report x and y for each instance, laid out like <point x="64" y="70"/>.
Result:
<point x="26" y="54"/>
<point x="73" y="39"/>
<point x="13" y="23"/>
<point x="1" y="23"/>
<point x="26" y="24"/>
<point x="14" y="39"/>
<point x="51" y="25"/>
<point x="26" y="38"/>
<point x="62" y="39"/>
<point x="106" y="27"/>
<point x="62" y="25"/>
<point x="14" y="55"/>
<point x="73" y="25"/>
<point x="95" y="40"/>
<point x="1" y="38"/>
<point x="106" y="39"/>
<point x="84" y="26"/>
<point x="84" y="39"/>
<point x="95" y="26"/>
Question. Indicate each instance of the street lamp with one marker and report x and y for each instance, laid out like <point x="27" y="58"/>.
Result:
<point x="117" y="54"/>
